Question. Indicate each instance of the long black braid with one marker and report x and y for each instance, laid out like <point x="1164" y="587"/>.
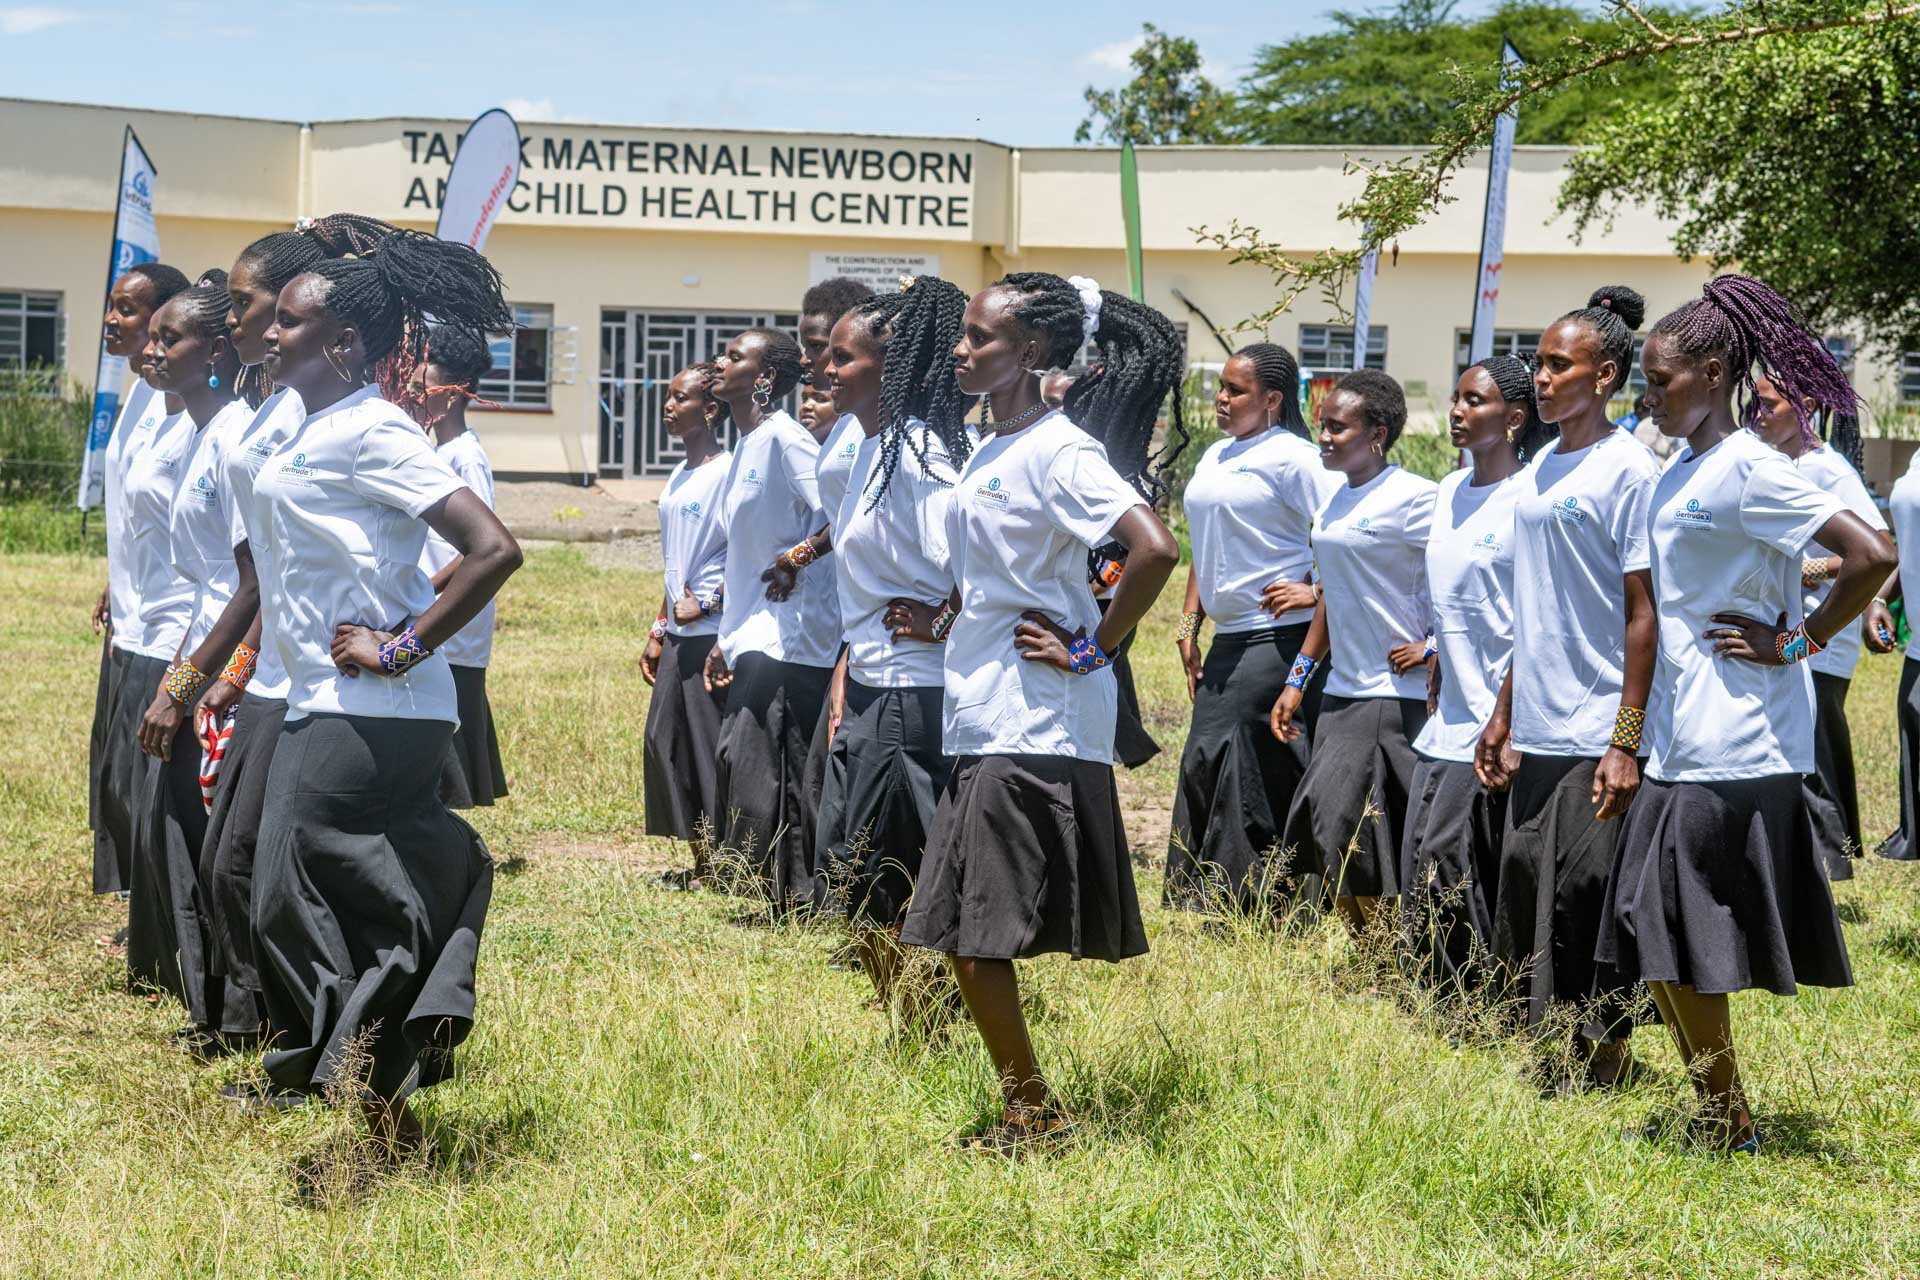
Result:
<point x="781" y="359"/>
<point x="917" y="330"/>
<point x="280" y="256"/>
<point x="1841" y="431"/>
<point x="1613" y="312"/>
<point x="1514" y="376"/>
<point x="1275" y="369"/>
<point x="206" y="305"/>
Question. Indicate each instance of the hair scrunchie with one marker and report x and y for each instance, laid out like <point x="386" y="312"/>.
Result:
<point x="1089" y="290"/>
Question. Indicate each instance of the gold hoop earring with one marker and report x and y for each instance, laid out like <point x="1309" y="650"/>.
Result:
<point x="1378" y="452"/>
<point x="344" y="375"/>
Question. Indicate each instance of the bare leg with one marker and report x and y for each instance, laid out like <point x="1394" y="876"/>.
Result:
<point x="1708" y="1023"/>
<point x="992" y="992"/>
<point x="880" y="958"/>
<point x="1360" y="914"/>
<point x="394" y="1127"/>
<point x="1663" y="1001"/>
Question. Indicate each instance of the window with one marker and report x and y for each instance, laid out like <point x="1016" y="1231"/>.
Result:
<point x="32" y="336"/>
<point x="522" y="376"/>
<point x="1328" y="348"/>
<point x="1910" y="378"/>
<point x="1506" y="342"/>
<point x="1840" y="347"/>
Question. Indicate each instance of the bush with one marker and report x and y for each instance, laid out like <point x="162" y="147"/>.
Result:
<point x="42" y="438"/>
<point x="1426" y="453"/>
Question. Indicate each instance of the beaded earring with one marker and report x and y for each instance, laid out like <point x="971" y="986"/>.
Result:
<point x="763" y="392"/>
<point x="213" y="379"/>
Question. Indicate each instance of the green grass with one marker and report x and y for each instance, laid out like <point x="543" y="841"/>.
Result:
<point x="649" y="1092"/>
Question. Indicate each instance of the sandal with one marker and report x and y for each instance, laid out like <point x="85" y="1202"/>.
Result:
<point x="1025" y="1131"/>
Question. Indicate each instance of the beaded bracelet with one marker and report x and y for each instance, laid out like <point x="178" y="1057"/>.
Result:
<point x="710" y="603"/>
<point x="659" y="630"/>
<point x="398" y="655"/>
<point x="1795" y="646"/>
<point x="1303" y="668"/>
<point x="1086" y="656"/>
<point x="799" y="555"/>
<point x="1107" y="572"/>
<point x="1627" y="725"/>
<point x="1815" y="570"/>
<point x="239" y="668"/>
<point x="184" y="682"/>
<point x="1189" y="627"/>
<point x="1433" y="646"/>
<point x="943" y="622"/>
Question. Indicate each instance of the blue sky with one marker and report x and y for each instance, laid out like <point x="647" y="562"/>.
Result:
<point x="999" y="69"/>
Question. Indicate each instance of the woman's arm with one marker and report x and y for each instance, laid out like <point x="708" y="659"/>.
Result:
<point x="1188" y="640"/>
<point x="1151" y="556"/>
<point x="1618" y="775"/>
<point x="1313" y="651"/>
<point x="164" y="715"/>
<point x="1867" y="558"/>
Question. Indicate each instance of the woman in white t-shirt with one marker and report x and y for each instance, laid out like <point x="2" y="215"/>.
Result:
<point x="369" y="893"/>
<point x="1027" y="854"/>
<point x="1565" y="732"/>
<point x="1451" y="859"/>
<point x="682" y="736"/>
<point x="1249" y="505"/>
<point x="456" y="361"/>
<point x="1371" y="628"/>
<point x="1718" y="887"/>
<point x="1881" y="636"/>
<point x="1833" y="797"/>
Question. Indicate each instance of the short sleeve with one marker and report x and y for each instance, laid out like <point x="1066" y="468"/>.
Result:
<point x="1082" y="495"/>
<point x="935" y="501"/>
<point x="1852" y="491"/>
<point x="1782" y="508"/>
<point x="800" y="455"/>
<point x="396" y="467"/>
<point x="1630" y="517"/>
<point x="471" y="466"/>
<point x="1419" y="517"/>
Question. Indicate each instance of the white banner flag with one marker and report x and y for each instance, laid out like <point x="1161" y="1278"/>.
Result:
<point x="485" y="170"/>
<point x="1363" y="306"/>
<point x="135" y="240"/>
<point x="1493" y="233"/>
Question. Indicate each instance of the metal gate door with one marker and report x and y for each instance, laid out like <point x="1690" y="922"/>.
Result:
<point x="640" y="351"/>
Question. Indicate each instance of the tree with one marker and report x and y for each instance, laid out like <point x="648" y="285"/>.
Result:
<point x="1167" y="101"/>
<point x="1798" y="160"/>
<point x="1385" y="78"/>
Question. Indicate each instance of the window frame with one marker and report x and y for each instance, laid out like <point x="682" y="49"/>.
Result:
<point x="509" y="392"/>
<point x="1333" y="335"/>
<point x="24" y="307"/>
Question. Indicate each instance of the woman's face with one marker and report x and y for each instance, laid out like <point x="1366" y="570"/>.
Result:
<point x="1346" y="441"/>
<point x="739" y="365"/>
<point x="1480" y="417"/>
<point x="854" y="365"/>
<point x="433" y="392"/>
<point x="1681" y="391"/>
<point x="179" y="357"/>
<point x="1778" y="424"/>
<point x="686" y="410"/>
<point x="129" y="317"/>
<point x="992" y="354"/>
<point x="250" y="312"/>
<point x="816" y="335"/>
<point x="1569" y="370"/>
<point x="306" y="348"/>
<point x="1240" y="406"/>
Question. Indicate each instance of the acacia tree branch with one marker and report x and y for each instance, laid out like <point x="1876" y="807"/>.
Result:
<point x="1634" y="11"/>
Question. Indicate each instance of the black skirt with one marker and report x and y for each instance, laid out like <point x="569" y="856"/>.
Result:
<point x="1347" y="816"/>
<point x="166" y="933"/>
<point x="1237" y="781"/>
<point x="233" y="835"/>
<point x="1555" y="856"/>
<point x="1133" y="746"/>
<point x="760" y="771"/>
<point x="109" y="863"/>
<point x="1449" y="871"/>
<point x="369" y="896"/>
<point x="122" y="769"/>
<point x="884" y="777"/>
<point x="820" y="770"/>
<point x="472" y="776"/>
<point x="1904" y="844"/>
<point x="1028" y="855"/>
<point x="1832" y="797"/>
<point x="681" y="740"/>
<point x="1718" y="886"/>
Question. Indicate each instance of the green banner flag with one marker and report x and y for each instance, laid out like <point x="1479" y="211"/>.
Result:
<point x="1130" y="211"/>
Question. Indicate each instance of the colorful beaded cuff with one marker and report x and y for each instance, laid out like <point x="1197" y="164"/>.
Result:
<point x="1086" y="656"/>
<point x="1795" y="646"/>
<point x="239" y="668"/>
<point x="1303" y="668"/>
<point x="799" y="555"/>
<point x="1107" y="572"/>
<point x="943" y="622"/>
<point x="184" y="682"/>
<point x="1815" y="570"/>
<point x="1628" y="723"/>
<point x="710" y="603"/>
<point x="1433" y="646"/>
<point x="398" y="655"/>
<point x="659" y="630"/>
<point x="1189" y="627"/>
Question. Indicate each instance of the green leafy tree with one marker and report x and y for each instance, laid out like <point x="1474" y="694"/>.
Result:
<point x="1167" y="101"/>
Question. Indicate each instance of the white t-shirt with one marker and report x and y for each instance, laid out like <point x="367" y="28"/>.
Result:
<point x="252" y="445"/>
<point x="204" y="526"/>
<point x="1370" y="544"/>
<point x="139" y="416"/>
<point x="768" y="503"/>
<point x="1728" y="528"/>
<point x="1903" y="506"/>
<point x="473" y="645"/>
<point x="1250" y="508"/>
<point x="1470" y="582"/>
<point x="1835" y="475"/>
<point x="156" y="460"/>
<point x="342" y="496"/>
<point x="898" y="549"/>
<point x="834" y="473"/>
<point x="1028" y="508"/>
<point x="1580" y="527"/>
<point x="684" y="504"/>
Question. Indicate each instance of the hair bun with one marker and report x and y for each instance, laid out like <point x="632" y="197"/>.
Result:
<point x="1622" y="301"/>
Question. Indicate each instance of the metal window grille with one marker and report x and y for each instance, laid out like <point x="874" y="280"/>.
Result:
<point x="32" y="334"/>
<point x="1328" y="348"/>
<point x="522" y="376"/>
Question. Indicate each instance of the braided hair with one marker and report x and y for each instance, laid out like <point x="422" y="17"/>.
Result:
<point x="387" y="293"/>
<point x="460" y="353"/>
<point x="1613" y="313"/>
<point x="280" y="256"/>
<point x="166" y="281"/>
<point x="206" y="306"/>
<point x="1751" y="327"/>
<point x="781" y="360"/>
<point x="1514" y="376"/>
<point x="1841" y="431"/>
<point x="917" y="330"/>
<point x="1275" y="369"/>
<point x="707" y="375"/>
<point x="1382" y="403"/>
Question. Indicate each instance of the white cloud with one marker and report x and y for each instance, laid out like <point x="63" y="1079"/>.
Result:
<point x="531" y="109"/>
<point x="1113" y="57"/>
<point x="24" y="21"/>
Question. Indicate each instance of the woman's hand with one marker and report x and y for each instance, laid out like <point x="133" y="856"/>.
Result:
<point x="357" y="649"/>
<point x="836" y="700"/>
<point x="1277" y="598"/>
<point x="715" y="674"/>
<point x="687" y="609"/>
<point x="1040" y="639"/>
<point x="1284" y="709"/>
<point x="102" y="615"/>
<point x="1614" y="782"/>
<point x="650" y="659"/>
<point x="1877" y="629"/>
<point x="1194" y="664"/>
<point x="781" y="577"/>
<point x="1433" y="688"/>
<point x="910" y="620"/>
<point x="218" y="701"/>
<point x="1403" y="658"/>
<point x="159" y="724"/>
<point x="1494" y="759"/>
<point x="1735" y="635"/>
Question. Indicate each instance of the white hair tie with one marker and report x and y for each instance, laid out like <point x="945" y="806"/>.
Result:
<point x="1089" y="290"/>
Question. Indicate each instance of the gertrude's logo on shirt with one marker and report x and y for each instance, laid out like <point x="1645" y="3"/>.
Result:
<point x="693" y="508"/>
<point x="753" y="480"/>
<point x="298" y="467"/>
<point x="1569" y="510"/>
<point x="203" y="491"/>
<point x="1364" y="527"/>
<point x="991" y="492"/>
<point x="1693" y="516"/>
<point x="1487" y="544"/>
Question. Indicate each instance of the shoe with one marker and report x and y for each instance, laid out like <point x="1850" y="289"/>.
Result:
<point x="253" y="1100"/>
<point x="1024" y="1132"/>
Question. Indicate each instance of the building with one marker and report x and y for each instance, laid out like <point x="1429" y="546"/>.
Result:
<point x="631" y="251"/>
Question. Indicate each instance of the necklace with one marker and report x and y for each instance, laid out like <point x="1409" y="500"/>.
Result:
<point x="1019" y="419"/>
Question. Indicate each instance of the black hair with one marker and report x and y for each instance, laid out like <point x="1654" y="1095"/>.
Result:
<point x="461" y="353"/>
<point x="281" y="256"/>
<point x="1613" y="312"/>
<point x="781" y="360"/>
<point x="917" y="330"/>
<point x="387" y="294"/>
<point x="206" y="305"/>
<point x="834" y="298"/>
<point x="1382" y="402"/>
<point x="1514" y="376"/>
<point x="166" y="281"/>
<point x="1275" y="369"/>
<point x="1841" y="431"/>
<point x="708" y="377"/>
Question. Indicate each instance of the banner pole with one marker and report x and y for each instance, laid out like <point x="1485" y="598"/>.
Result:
<point x="1493" y="222"/>
<point x="1130" y="213"/>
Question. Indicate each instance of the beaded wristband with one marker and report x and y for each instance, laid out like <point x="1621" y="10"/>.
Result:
<point x="1795" y="646"/>
<point x="710" y="603"/>
<point x="1189" y="627"/>
<point x="184" y="682"/>
<point x="1107" y="572"/>
<point x="1627" y="725"/>
<point x="1303" y="668"/>
<point x="1815" y="570"/>
<point x="239" y="668"/>
<point x="659" y="631"/>
<point x="1086" y="656"/>
<point x="1433" y="646"/>
<point x="800" y="554"/>
<point x="943" y="623"/>
<point x="398" y="655"/>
